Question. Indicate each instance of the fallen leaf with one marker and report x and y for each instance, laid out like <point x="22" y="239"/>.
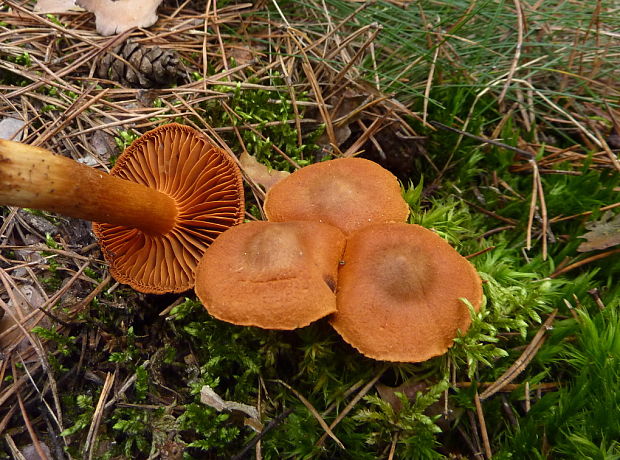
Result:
<point x="344" y="113"/>
<point x="259" y="173"/>
<point x="604" y="233"/>
<point x="54" y="6"/>
<point x="115" y="17"/>
<point x="242" y="54"/>
<point x="11" y="129"/>
<point x="103" y="144"/>
<point x="408" y="389"/>
<point x="30" y="452"/>
<point x="209" y="397"/>
<point x="26" y="299"/>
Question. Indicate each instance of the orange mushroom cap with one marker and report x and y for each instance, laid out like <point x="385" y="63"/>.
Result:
<point x="399" y="293"/>
<point x="271" y="275"/>
<point x="348" y="193"/>
<point x="207" y="189"/>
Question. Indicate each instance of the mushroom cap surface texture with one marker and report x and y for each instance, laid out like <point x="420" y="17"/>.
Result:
<point x="399" y="293"/>
<point x="271" y="275"/>
<point x="348" y="193"/>
<point x="207" y="187"/>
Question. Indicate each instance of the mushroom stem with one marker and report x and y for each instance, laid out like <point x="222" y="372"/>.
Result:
<point x="32" y="177"/>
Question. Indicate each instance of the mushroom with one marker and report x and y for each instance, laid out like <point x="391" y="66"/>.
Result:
<point x="168" y="196"/>
<point x="401" y="291"/>
<point x="271" y="275"/>
<point x="348" y="193"/>
<point x="117" y="16"/>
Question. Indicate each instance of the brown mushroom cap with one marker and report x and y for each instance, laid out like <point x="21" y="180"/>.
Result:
<point x="271" y="275"/>
<point x="207" y="188"/>
<point x="399" y="293"/>
<point x="348" y="193"/>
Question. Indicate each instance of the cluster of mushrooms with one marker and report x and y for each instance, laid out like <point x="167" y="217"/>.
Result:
<point x="336" y="241"/>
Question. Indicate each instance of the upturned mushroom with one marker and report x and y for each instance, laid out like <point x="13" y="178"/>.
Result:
<point x="348" y="193"/>
<point x="166" y="199"/>
<point x="271" y="275"/>
<point x="401" y="293"/>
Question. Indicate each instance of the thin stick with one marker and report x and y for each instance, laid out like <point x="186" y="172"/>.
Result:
<point x="270" y="426"/>
<point x="525" y="153"/>
<point x="482" y="251"/>
<point x="393" y="447"/>
<point x="313" y="411"/>
<point x="543" y="212"/>
<point x="89" y="444"/>
<point x="517" y="56"/>
<point x="585" y="261"/>
<point x="522" y="361"/>
<point x="583" y="214"/>
<point x="353" y="403"/>
<point x="429" y="83"/>
<point x="483" y="427"/>
<point x="530" y="219"/>
<point x="31" y="432"/>
<point x="527" y="397"/>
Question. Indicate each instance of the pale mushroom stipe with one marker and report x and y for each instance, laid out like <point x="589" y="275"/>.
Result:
<point x="167" y="198"/>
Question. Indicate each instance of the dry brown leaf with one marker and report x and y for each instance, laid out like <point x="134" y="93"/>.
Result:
<point x="344" y="113"/>
<point x="10" y="129"/>
<point x="54" y="6"/>
<point x="209" y="397"/>
<point x="604" y="233"/>
<point x="114" y="17"/>
<point x="27" y="298"/>
<point x="409" y="390"/>
<point x="259" y="173"/>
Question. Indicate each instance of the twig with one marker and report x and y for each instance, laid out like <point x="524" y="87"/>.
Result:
<point x="89" y="444"/>
<point x="527" y="397"/>
<point x="353" y="403"/>
<point x="583" y="214"/>
<point x="313" y="411"/>
<point x="585" y="261"/>
<point x="543" y="212"/>
<point x="26" y="419"/>
<point x="483" y="427"/>
<point x="508" y="220"/>
<point x="429" y="83"/>
<point x="478" y="253"/>
<point x="519" y="45"/>
<point x="522" y="361"/>
<point x="270" y="426"/>
<point x="533" y="200"/>
<point x="525" y="153"/>
<point x="393" y="447"/>
<point x="508" y="387"/>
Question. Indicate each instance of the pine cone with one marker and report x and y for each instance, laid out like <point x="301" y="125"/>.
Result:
<point x="140" y="66"/>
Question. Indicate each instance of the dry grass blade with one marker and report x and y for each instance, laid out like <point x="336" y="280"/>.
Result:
<point x="583" y="214"/>
<point x="483" y="427"/>
<point x="353" y="403"/>
<point x="519" y="45"/>
<point x="587" y="260"/>
<point x="89" y="444"/>
<point x="521" y="363"/>
<point x="313" y="411"/>
<point x="26" y="418"/>
<point x="508" y="387"/>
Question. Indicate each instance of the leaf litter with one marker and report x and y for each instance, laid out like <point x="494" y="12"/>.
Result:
<point x="69" y="109"/>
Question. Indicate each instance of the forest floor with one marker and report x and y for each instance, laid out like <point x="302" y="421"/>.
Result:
<point x="500" y="118"/>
